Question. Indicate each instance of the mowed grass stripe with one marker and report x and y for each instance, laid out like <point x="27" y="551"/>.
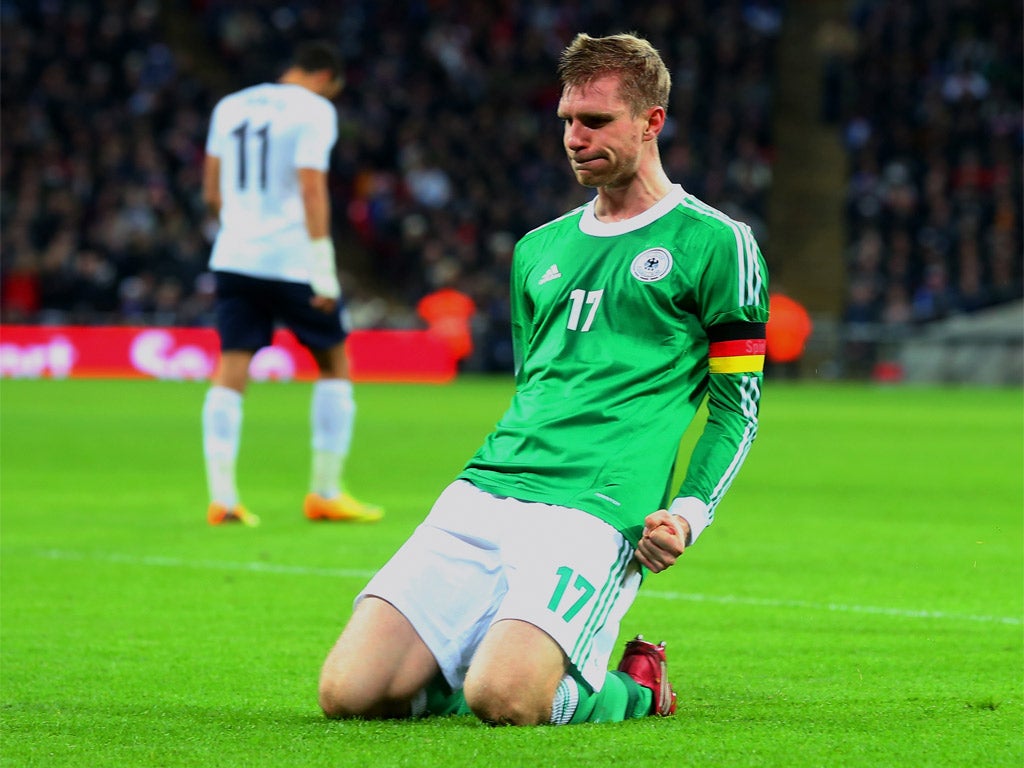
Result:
<point x="651" y="593"/>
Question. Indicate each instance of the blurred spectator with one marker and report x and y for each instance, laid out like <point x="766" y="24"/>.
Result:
<point x="101" y="129"/>
<point x="448" y="313"/>
<point x="20" y="301"/>
<point x="789" y="328"/>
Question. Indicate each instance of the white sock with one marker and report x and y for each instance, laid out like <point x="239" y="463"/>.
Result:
<point x="332" y="416"/>
<point x="567" y="698"/>
<point x="418" y="705"/>
<point x="222" y="429"/>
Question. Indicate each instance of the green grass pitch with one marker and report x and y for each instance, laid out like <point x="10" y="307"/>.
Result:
<point x="857" y="603"/>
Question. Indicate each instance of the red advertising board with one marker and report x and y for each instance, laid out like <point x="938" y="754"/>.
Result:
<point x="191" y="353"/>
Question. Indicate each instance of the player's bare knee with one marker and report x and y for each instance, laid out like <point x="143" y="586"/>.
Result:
<point x="507" y="705"/>
<point x="509" y="712"/>
<point x="343" y="695"/>
<point x="353" y="696"/>
<point x="337" y="702"/>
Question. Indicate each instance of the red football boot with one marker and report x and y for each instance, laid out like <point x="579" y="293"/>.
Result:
<point x="645" y="663"/>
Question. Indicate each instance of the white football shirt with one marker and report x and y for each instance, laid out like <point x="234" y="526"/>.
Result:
<point x="262" y="136"/>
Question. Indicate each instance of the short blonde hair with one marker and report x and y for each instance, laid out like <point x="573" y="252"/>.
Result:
<point x="645" y="81"/>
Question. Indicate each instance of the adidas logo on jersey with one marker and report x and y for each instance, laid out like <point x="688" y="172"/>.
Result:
<point x="551" y="274"/>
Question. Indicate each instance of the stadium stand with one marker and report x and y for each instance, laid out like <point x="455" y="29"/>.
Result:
<point x="102" y="127"/>
<point x="928" y="98"/>
<point x="450" y="150"/>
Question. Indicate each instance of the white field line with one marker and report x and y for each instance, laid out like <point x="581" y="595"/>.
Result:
<point x="903" y="613"/>
<point x="354" y="573"/>
<point x="205" y="565"/>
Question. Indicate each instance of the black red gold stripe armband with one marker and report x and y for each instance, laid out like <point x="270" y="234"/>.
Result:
<point x="736" y="348"/>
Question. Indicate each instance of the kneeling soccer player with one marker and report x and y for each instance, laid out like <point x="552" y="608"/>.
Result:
<point x="627" y="313"/>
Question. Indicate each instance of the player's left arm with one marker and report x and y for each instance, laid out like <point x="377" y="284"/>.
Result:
<point x="316" y="202"/>
<point x="312" y="161"/>
<point x="734" y="398"/>
<point x="734" y="312"/>
<point x="733" y="297"/>
<point x="733" y="403"/>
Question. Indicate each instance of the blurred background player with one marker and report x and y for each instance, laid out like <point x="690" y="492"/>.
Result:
<point x="265" y="177"/>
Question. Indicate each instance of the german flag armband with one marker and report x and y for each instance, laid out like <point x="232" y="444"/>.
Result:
<point x="736" y="348"/>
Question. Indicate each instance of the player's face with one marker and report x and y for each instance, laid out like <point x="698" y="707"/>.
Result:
<point x="602" y="138"/>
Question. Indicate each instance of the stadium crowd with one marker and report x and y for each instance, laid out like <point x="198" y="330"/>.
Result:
<point x="931" y="118"/>
<point x="449" y="148"/>
<point x="102" y="126"/>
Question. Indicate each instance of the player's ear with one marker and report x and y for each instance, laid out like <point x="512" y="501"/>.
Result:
<point x="655" y="122"/>
<point x="336" y="85"/>
<point x="330" y="84"/>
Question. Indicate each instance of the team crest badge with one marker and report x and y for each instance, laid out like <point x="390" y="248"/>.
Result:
<point x="651" y="265"/>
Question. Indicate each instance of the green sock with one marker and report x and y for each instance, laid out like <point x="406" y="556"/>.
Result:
<point x="441" y="700"/>
<point x="620" y="698"/>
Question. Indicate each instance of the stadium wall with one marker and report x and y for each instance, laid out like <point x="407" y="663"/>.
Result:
<point x="983" y="348"/>
<point x="191" y="354"/>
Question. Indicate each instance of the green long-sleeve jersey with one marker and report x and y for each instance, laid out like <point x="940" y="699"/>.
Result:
<point x="620" y="331"/>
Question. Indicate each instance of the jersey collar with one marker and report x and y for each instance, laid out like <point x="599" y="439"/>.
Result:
<point x="590" y="225"/>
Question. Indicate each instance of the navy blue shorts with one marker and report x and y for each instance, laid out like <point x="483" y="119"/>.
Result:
<point x="249" y="308"/>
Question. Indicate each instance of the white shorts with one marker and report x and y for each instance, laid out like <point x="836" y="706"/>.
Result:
<point x="478" y="558"/>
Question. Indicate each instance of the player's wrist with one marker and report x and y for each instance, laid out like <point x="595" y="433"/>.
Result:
<point x="323" y="274"/>
<point x="694" y="512"/>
